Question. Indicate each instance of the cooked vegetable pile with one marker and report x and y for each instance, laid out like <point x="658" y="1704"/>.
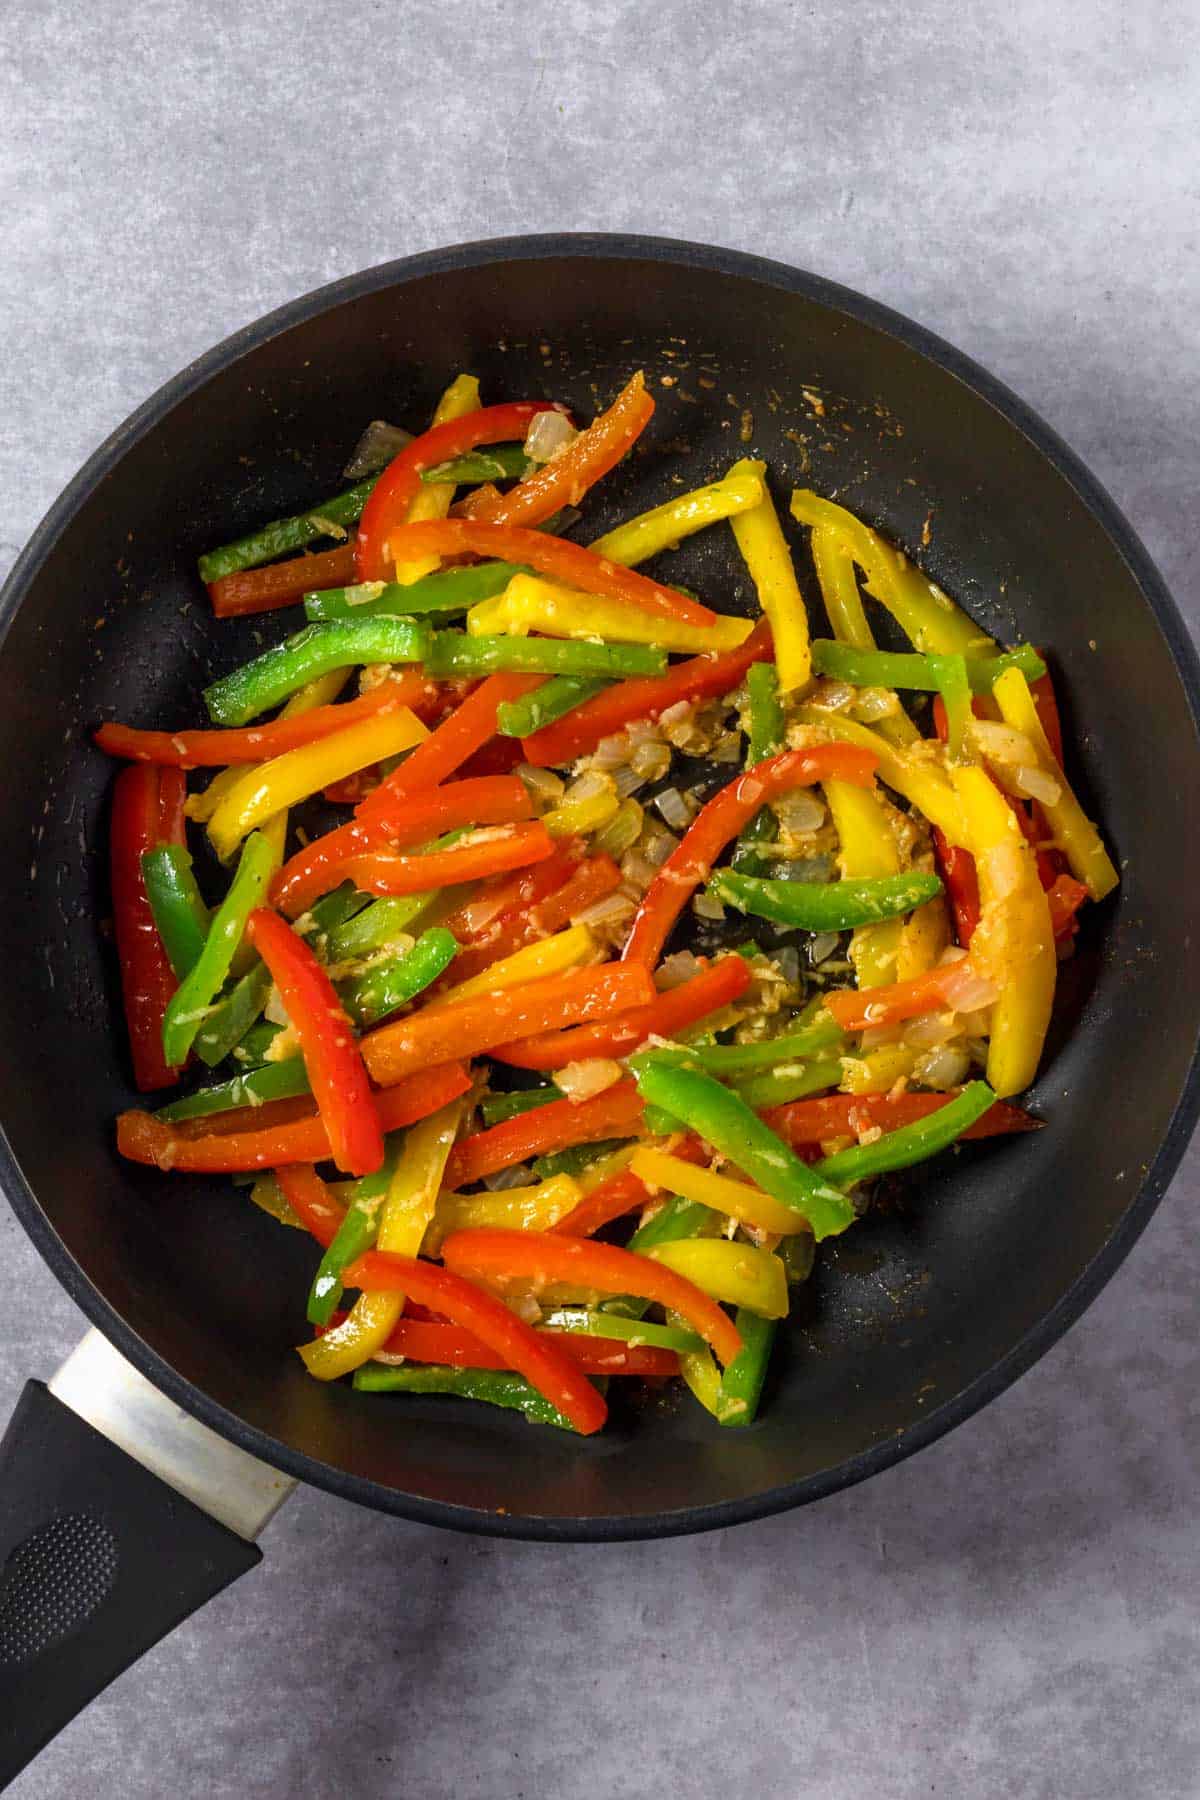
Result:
<point x="641" y="919"/>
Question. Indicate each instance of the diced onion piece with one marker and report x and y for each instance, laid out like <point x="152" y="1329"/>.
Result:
<point x="800" y="813"/>
<point x="580" y="1080"/>
<point x="944" y="1067"/>
<point x="674" y="809"/>
<point x="549" y="432"/>
<point x="1035" y="784"/>
<point x="680" y="967"/>
<point x="931" y="1029"/>
<point x="379" y="443"/>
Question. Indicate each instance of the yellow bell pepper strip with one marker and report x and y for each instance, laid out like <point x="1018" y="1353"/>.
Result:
<point x="877" y="1071"/>
<point x="537" y="1207"/>
<point x="411" y="1199"/>
<point x="839" y="589"/>
<point x="189" y="1004"/>
<point x="924" y="935"/>
<point x="432" y="500"/>
<point x="929" y="617"/>
<point x="1013" y="944"/>
<point x="663" y="526"/>
<point x="575" y="816"/>
<point x="1073" y="831"/>
<point x="530" y="604"/>
<point x="759" y="537"/>
<point x="734" y="1273"/>
<point x="914" y="773"/>
<point x="271" y="787"/>
<point x="867" y="847"/>
<point x="568" y="949"/>
<point x="738" y="1199"/>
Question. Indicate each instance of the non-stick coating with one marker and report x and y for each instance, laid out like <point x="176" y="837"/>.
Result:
<point x="923" y="1312"/>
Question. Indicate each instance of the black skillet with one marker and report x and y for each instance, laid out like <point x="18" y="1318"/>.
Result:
<point x="971" y="1269"/>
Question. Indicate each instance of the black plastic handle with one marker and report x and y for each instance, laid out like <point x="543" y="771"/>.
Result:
<point x="98" y="1560"/>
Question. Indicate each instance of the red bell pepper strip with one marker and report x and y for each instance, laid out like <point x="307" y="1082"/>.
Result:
<point x="499" y="757"/>
<point x="255" y="743"/>
<point x="533" y="1355"/>
<point x="620" y="1194"/>
<point x="936" y="988"/>
<point x="595" y="877"/>
<point x="668" y="1013"/>
<point x="172" y="802"/>
<point x="1065" y="898"/>
<point x="511" y="897"/>
<point x="354" y="788"/>
<point x="544" y="1257"/>
<point x="331" y="1056"/>
<point x="557" y="558"/>
<point x="957" y="870"/>
<point x="566" y="478"/>
<point x="311" y="1201"/>
<point x="142" y="1138"/>
<point x="617" y="1112"/>
<point x="463" y="1028"/>
<point x="516" y="925"/>
<point x="804" y="1123"/>
<point x="716" y="824"/>
<point x="376" y="551"/>
<point x="501" y="847"/>
<point x="435" y="1341"/>
<point x="645" y="697"/>
<point x="147" y="979"/>
<point x="282" y="583"/>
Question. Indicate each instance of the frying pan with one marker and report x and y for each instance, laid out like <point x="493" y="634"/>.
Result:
<point x="958" y="1281"/>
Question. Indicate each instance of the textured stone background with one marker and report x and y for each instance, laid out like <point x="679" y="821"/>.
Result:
<point x="1014" y="1612"/>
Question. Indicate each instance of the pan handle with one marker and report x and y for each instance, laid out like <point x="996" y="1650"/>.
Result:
<point x="99" y="1558"/>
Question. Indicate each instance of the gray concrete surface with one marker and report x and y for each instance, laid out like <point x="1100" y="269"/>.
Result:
<point x="1014" y="1612"/>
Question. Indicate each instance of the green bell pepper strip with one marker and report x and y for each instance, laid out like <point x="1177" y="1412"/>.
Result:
<point x="251" y="1051"/>
<point x="448" y="591"/>
<point x="725" y="1121"/>
<point x="798" y="1253"/>
<point x="911" y="1143"/>
<point x="493" y="1385"/>
<point x="574" y="1159"/>
<point x="455" y="653"/>
<point x="826" y="905"/>
<point x="356" y="1233"/>
<point x="328" y="914"/>
<point x="272" y="1081"/>
<point x="505" y="462"/>
<point x="379" y="990"/>
<point x="907" y="669"/>
<point x="789" y="1081"/>
<point x="660" y="1123"/>
<point x="677" y="1218"/>
<point x="556" y="697"/>
<point x="765" y="737"/>
<point x="498" y="1107"/>
<point x="335" y="644"/>
<point x="730" y="1061"/>
<point x="179" y="911"/>
<point x="285" y="536"/>
<point x="742" y="1382"/>
<point x="233" y="1016"/>
<point x="188" y="1006"/>
<point x="376" y="926"/>
<point x="631" y="1331"/>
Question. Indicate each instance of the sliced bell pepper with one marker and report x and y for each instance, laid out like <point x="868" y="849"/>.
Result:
<point x="492" y="1387"/>
<point x="432" y="1341"/>
<point x="530" y="603"/>
<point x="738" y="1274"/>
<point x="446" y="592"/>
<point x="466" y="1027"/>
<point x="499" y="847"/>
<point x="826" y="905"/>
<point x="910" y="669"/>
<point x="667" y="1014"/>
<point x="560" y="695"/>
<point x="567" y="949"/>
<point x="544" y="1258"/>
<point x="316" y="650"/>
<point x="357" y="1231"/>
<point x="311" y="1201"/>
<point x="634" y="1332"/>
<point x="957" y="867"/>
<point x="1046" y="701"/>
<point x="718" y="822"/>
<point x="616" y="1112"/>
<point x="664" y="526"/>
<point x="739" y="1200"/>
<point x="142" y="1138"/>
<point x="588" y="882"/>
<point x="1064" y="898"/>
<point x="943" y="987"/>
<point x="699" y="679"/>
<point x="331" y="1056"/>
<point x="456" y="653"/>
<point x="537" y="1207"/>
<point x="143" y="817"/>
<point x="432" y="500"/>
<point x="389" y="506"/>
<point x="759" y="536"/>
<point x="272" y="787"/>
<point x="912" y="1143"/>
<point x="578" y="814"/>
<point x="281" y="584"/>
<point x="180" y="915"/>
<point x="381" y="988"/>
<point x="566" y="478"/>
<point x="190" y="1002"/>
<point x="558" y="559"/>
<point x="273" y="1081"/>
<point x="806" y="1123"/>
<point x="329" y="519"/>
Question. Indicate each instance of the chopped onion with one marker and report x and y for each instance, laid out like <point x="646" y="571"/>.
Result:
<point x="874" y="1037"/>
<point x="822" y="945"/>
<point x="1001" y="743"/>
<point x="610" y="752"/>
<point x="674" y="715"/>
<point x="542" y="784"/>
<point x="628" y="781"/>
<point x="612" y="910"/>
<point x="833" y="696"/>
<point x="638" y="871"/>
<point x="657" y="844"/>
<point x="931" y="1029"/>
<point x="580" y="1080"/>
<point x="707" y="906"/>
<point x="787" y="961"/>
<point x="674" y="809"/>
<point x="549" y="432"/>
<point x="677" y="969"/>
<point x="806" y="868"/>
<point x="588" y="785"/>
<point x="274" y="1012"/>
<point x="622" y="830"/>
<point x="379" y="443"/>
<point x="941" y="1068"/>
<point x="651" y="760"/>
<point x="507" y="1178"/>
<point x="801" y="813"/>
<point x="875" y="703"/>
<point x="1035" y="784"/>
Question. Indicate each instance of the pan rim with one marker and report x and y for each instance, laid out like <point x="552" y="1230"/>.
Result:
<point x="1149" y="1192"/>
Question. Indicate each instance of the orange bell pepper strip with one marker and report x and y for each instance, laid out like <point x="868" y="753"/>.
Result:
<point x="622" y="1193"/>
<point x="463" y="1028"/>
<point x="256" y="743"/>
<point x="669" y="1012"/>
<point x="282" y="583"/>
<point x="331" y="1055"/>
<point x="726" y="815"/>
<point x="142" y="1138"/>
<point x="644" y="697"/>
<point x="376" y="549"/>
<point x="500" y="900"/>
<point x="566" y="478"/>
<point x="594" y="877"/>
<point x="806" y="1123"/>
<point x="311" y="1201"/>
<point x="535" y="1355"/>
<point x="143" y="816"/>
<point x="521" y="1258"/>
<point x="434" y="1341"/>
<point x="501" y="847"/>
<point x="1065" y="898"/>
<point x="556" y="558"/>
<point x="617" y="1112"/>
<point x="936" y="988"/>
<point x="956" y="867"/>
